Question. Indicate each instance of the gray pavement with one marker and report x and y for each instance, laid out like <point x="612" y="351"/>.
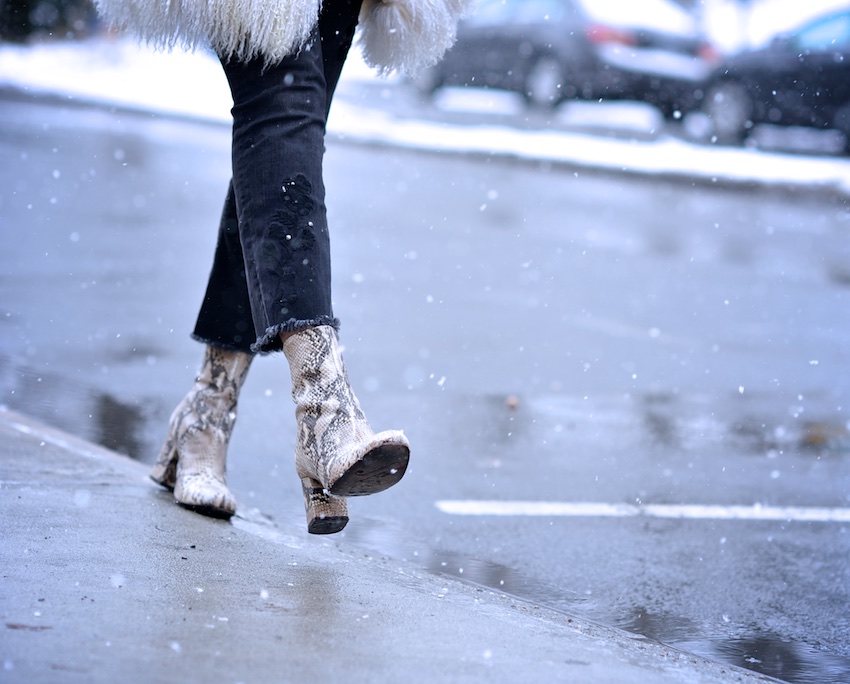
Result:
<point x="106" y="580"/>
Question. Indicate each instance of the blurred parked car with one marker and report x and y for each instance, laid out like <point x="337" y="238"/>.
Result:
<point x="22" y="20"/>
<point x="553" y="50"/>
<point x="800" y="79"/>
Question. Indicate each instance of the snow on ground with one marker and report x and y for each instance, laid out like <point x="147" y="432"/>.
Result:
<point x="118" y="72"/>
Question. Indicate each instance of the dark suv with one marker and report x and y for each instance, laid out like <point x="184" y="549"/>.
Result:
<point x="801" y="79"/>
<point x="552" y="50"/>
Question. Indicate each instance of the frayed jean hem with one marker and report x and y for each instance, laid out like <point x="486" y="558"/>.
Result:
<point x="270" y="341"/>
<point x="218" y="344"/>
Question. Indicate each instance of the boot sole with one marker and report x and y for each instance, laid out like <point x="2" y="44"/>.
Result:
<point x="329" y="525"/>
<point x="209" y="511"/>
<point x="377" y="470"/>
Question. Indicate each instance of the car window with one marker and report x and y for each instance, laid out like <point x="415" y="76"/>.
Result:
<point x="825" y="35"/>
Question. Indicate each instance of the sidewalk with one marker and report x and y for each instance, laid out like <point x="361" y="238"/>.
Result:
<point x="106" y="580"/>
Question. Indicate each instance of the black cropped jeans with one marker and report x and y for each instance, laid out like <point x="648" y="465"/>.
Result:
<point x="271" y="271"/>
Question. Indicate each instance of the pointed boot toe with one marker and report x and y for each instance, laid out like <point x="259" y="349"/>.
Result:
<point x="205" y="495"/>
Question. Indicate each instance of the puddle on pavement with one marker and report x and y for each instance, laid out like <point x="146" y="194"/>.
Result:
<point x="82" y="411"/>
<point x="792" y="662"/>
<point x="758" y="651"/>
<point x="770" y="655"/>
<point x="386" y="540"/>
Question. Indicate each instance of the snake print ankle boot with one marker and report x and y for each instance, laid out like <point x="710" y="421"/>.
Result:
<point x="192" y="460"/>
<point x="336" y="452"/>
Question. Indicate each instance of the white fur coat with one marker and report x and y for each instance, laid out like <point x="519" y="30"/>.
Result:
<point x="403" y="35"/>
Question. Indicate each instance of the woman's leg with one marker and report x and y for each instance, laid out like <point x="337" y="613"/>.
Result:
<point x="336" y="452"/>
<point x="279" y="117"/>
<point x="276" y="208"/>
<point x="277" y="177"/>
<point x="192" y="462"/>
<point x="336" y="28"/>
<point x="224" y="319"/>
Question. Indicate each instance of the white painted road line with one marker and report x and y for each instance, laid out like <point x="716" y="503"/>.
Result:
<point x="556" y="509"/>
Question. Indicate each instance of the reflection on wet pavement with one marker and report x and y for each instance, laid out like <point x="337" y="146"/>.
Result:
<point x="793" y="662"/>
<point x="380" y="537"/>
<point x="118" y="426"/>
<point x="81" y="410"/>
<point x="784" y="660"/>
<point x="761" y="652"/>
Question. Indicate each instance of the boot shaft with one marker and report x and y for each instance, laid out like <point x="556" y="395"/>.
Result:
<point x="223" y="372"/>
<point x="320" y="386"/>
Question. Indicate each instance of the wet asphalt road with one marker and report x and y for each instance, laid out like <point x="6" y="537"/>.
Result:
<point x="541" y="335"/>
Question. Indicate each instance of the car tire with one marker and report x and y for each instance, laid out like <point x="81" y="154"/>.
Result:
<point x="544" y="82"/>
<point x="729" y="108"/>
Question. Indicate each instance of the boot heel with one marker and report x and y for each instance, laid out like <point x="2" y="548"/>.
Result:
<point x="326" y="514"/>
<point x="164" y="471"/>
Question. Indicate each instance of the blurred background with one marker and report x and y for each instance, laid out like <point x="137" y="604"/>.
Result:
<point x="769" y="73"/>
<point x="28" y="20"/>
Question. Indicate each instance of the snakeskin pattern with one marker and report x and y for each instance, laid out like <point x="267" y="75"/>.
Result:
<point x="326" y="514"/>
<point x="335" y="441"/>
<point x="192" y="461"/>
<point x="327" y="412"/>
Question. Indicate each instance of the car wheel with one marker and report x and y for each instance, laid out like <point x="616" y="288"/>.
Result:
<point x="729" y="108"/>
<point x="544" y="83"/>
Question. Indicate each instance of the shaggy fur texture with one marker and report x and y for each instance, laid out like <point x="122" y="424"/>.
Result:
<point x="402" y="35"/>
<point x="234" y="28"/>
<point x="407" y="35"/>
